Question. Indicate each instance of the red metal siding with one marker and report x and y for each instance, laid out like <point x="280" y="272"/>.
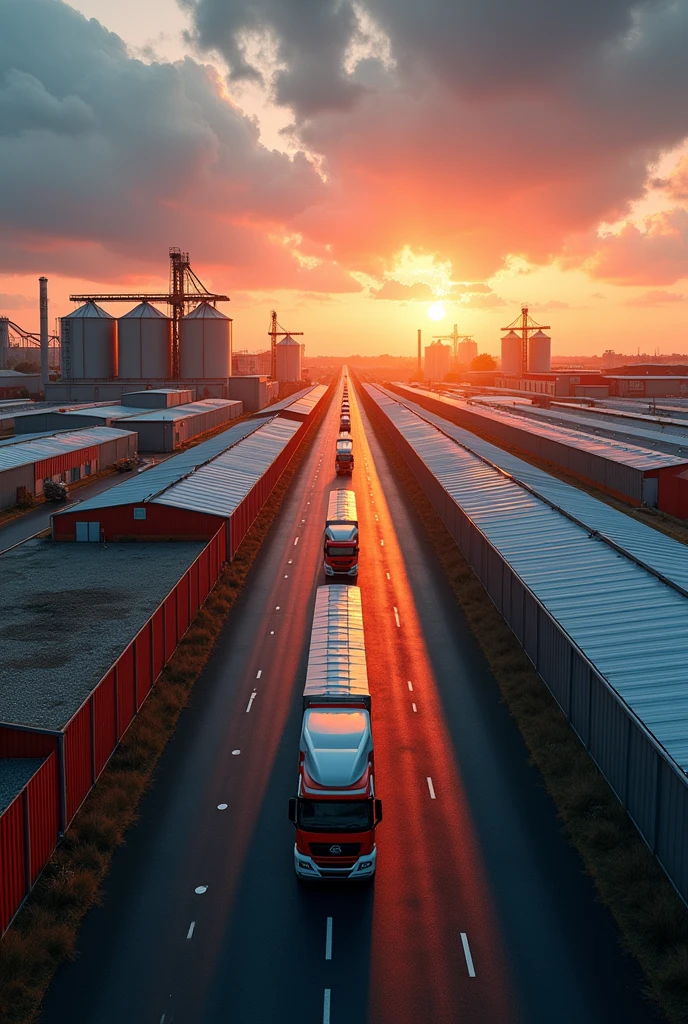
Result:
<point x="20" y="743"/>
<point x="125" y="689"/>
<point x="193" y="588"/>
<point x="183" y="616"/>
<point x="12" y="861"/>
<point x="158" y="623"/>
<point x="78" y="767"/>
<point x="63" y="463"/>
<point x="118" y="522"/>
<point x="144" y="677"/>
<point x="203" y="575"/>
<point x="43" y="795"/>
<point x="170" y="612"/>
<point x="104" y="717"/>
<point x="673" y="493"/>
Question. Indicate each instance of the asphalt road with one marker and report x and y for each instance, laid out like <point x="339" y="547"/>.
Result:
<point x="480" y="912"/>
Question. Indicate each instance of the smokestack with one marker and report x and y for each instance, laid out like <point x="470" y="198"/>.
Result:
<point x="419" y="364"/>
<point x="43" y="301"/>
<point x="4" y="341"/>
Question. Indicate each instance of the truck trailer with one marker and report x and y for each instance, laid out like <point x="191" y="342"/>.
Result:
<point x="336" y="812"/>
<point x="344" y="454"/>
<point x="340" y="550"/>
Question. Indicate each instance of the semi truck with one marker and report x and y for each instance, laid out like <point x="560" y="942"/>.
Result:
<point x="340" y="550"/>
<point x="336" y="811"/>
<point x="344" y="455"/>
<point x="345" y="422"/>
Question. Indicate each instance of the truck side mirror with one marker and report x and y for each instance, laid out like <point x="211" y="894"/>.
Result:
<point x="378" y="811"/>
<point x="292" y="811"/>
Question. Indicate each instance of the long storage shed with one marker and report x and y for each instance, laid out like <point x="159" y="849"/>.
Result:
<point x="68" y="456"/>
<point x="607" y="636"/>
<point x="300" y="405"/>
<point x="163" y="430"/>
<point x="635" y="474"/>
<point x="658" y="552"/>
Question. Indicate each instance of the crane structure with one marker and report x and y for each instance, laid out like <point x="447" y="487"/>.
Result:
<point x="455" y="338"/>
<point x="186" y="289"/>
<point x="525" y="324"/>
<point x="276" y="331"/>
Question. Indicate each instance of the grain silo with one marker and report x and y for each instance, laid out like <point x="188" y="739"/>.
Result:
<point x="288" y="353"/>
<point x="88" y="342"/>
<point x="511" y="354"/>
<point x="205" y="344"/>
<point x="539" y="353"/>
<point x="144" y="343"/>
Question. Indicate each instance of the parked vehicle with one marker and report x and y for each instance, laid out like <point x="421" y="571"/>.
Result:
<point x="335" y="812"/>
<point x="340" y="549"/>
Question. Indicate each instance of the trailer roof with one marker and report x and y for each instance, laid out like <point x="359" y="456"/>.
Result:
<point x="337" y="659"/>
<point x="341" y="506"/>
<point x="628" y="623"/>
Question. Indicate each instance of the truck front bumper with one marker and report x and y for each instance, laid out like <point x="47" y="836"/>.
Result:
<point x="306" y="867"/>
<point x="329" y="571"/>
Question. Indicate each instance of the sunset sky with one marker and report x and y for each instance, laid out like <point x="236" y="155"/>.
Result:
<point x="351" y="162"/>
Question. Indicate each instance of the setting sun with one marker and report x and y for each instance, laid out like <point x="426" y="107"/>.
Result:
<point x="436" y="311"/>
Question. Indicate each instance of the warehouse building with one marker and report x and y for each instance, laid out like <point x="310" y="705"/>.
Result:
<point x="605" y="629"/>
<point x="633" y="473"/>
<point x="68" y="457"/>
<point x="163" y="430"/>
<point x="298" y="406"/>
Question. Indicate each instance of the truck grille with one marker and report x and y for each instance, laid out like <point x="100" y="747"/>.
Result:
<point x="335" y="849"/>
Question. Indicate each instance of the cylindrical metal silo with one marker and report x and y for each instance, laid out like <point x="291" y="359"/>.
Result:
<point x="144" y="343"/>
<point x="539" y="353"/>
<point x="205" y="343"/>
<point x="288" y="359"/>
<point x="511" y="354"/>
<point x="88" y="339"/>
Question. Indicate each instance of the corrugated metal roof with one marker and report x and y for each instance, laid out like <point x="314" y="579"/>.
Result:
<point x="603" y="447"/>
<point x="204" y="311"/>
<point x="181" y="412"/>
<point x="661" y="553"/>
<point x="629" y="624"/>
<point x="145" y="486"/>
<point x="284" y="403"/>
<point x="337" y="659"/>
<point x="220" y="485"/>
<point x="89" y="310"/>
<point x="144" y="311"/>
<point x="305" y="405"/>
<point x="24" y="453"/>
<point x="114" y="411"/>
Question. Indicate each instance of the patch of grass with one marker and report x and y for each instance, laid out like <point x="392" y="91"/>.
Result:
<point x="652" y="919"/>
<point x="44" y="933"/>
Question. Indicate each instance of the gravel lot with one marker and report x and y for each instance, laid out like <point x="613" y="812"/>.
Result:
<point x="67" y="611"/>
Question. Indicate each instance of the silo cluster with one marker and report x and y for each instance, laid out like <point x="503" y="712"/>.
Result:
<point x="511" y="354"/>
<point x="138" y="345"/>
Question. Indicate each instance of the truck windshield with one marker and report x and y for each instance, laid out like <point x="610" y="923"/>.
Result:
<point x="335" y="815"/>
<point x="340" y="552"/>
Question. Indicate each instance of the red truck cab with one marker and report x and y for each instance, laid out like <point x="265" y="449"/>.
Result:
<point x="344" y="455"/>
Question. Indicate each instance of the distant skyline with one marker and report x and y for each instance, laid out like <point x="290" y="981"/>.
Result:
<point x="352" y="163"/>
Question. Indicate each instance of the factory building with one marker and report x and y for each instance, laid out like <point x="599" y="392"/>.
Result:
<point x="647" y="386"/>
<point x="245" y="363"/>
<point x="68" y="457"/>
<point x="437" y="361"/>
<point x="163" y="430"/>
<point x="288" y="355"/>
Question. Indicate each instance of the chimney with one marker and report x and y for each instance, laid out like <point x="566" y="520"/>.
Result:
<point x="43" y="300"/>
<point x="419" y="363"/>
<point x="4" y="341"/>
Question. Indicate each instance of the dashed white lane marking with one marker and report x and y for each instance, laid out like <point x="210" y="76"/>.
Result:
<point x="388" y="576"/>
<point x="190" y="932"/>
<point x="327" y="1000"/>
<point x="290" y="561"/>
<point x="222" y="807"/>
<point x="296" y="542"/>
<point x="259" y="673"/>
<point x="272" y="632"/>
<point x="467" y="954"/>
<point x="200" y="889"/>
<point x="410" y="685"/>
<point x="431" y="788"/>
<point x="382" y="543"/>
<point x="286" y="575"/>
<point x="235" y="752"/>
<point x="328" y="939"/>
<point x="277" y="607"/>
<point x="250" y="701"/>
<point x="414" y="707"/>
<point x="396" y="617"/>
